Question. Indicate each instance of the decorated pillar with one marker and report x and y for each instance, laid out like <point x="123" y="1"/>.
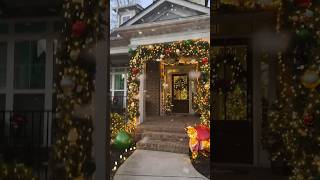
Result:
<point x="142" y="94"/>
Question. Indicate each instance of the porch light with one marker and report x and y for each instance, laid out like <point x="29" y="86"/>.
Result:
<point x="140" y="32"/>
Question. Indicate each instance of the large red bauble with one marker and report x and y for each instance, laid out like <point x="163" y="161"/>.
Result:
<point x="135" y="70"/>
<point x="308" y="119"/>
<point x="303" y="3"/>
<point x="78" y="28"/>
<point x="203" y="133"/>
<point x="205" y="60"/>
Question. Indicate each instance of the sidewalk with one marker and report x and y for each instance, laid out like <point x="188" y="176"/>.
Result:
<point x="157" y="165"/>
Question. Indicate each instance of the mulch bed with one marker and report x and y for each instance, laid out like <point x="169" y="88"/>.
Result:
<point x="202" y="165"/>
<point x="115" y="157"/>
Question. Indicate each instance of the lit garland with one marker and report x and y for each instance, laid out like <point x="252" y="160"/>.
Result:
<point x="83" y="26"/>
<point x="122" y="158"/>
<point x="16" y="172"/>
<point x="167" y="107"/>
<point x="117" y="124"/>
<point x="248" y="5"/>
<point x="170" y="53"/>
<point x="295" y="117"/>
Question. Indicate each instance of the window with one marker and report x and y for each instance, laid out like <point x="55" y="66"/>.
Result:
<point x="3" y="64"/>
<point x="125" y="19"/>
<point x="28" y="102"/>
<point x="2" y="102"/>
<point x="4" y="28"/>
<point x="29" y="64"/>
<point x="33" y="27"/>
<point x="57" y="26"/>
<point x="118" y="88"/>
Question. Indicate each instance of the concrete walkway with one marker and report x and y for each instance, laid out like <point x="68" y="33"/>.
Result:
<point x="157" y="165"/>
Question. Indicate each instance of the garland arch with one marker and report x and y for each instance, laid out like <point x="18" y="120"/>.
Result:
<point x="198" y="50"/>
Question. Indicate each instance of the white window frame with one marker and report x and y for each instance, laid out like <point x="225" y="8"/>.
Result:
<point x="113" y="73"/>
<point x="11" y="38"/>
<point x="123" y="18"/>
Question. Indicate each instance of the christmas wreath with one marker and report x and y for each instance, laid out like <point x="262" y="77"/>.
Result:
<point x="227" y="70"/>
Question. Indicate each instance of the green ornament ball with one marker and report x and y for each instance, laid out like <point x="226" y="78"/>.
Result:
<point x="130" y="50"/>
<point x="188" y="42"/>
<point x="303" y="34"/>
<point x="123" y="140"/>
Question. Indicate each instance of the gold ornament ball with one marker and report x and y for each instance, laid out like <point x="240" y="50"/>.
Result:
<point x="73" y="136"/>
<point x="67" y="85"/>
<point x="310" y="79"/>
<point x="74" y="54"/>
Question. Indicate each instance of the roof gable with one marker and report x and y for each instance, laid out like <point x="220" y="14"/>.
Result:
<point x="167" y="10"/>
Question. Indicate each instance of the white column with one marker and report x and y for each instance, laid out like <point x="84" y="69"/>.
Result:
<point x="100" y="122"/>
<point x="48" y="90"/>
<point x="142" y="95"/>
<point x="10" y="76"/>
<point x="256" y="103"/>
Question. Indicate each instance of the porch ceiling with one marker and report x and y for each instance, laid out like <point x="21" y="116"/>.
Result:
<point x="29" y="8"/>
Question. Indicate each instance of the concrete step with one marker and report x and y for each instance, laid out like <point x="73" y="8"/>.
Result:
<point x="159" y="145"/>
<point x="166" y="136"/>
<point x="160" y="128"/>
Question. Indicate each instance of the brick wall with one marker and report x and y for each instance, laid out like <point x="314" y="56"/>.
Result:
<point x="153" y="88"/>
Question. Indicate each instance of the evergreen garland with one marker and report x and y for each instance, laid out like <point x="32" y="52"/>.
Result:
<point x="295" y="116"/>
<point x="83" y="26"/>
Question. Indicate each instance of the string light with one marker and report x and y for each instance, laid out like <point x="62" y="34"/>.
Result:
<point x="293" y="117"/>
<point x="123" y="157"/>
<point x="74" y="87"/>
<point x="170" y="54"/>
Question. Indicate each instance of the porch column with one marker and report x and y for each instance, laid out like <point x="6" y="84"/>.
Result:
<point x="101" y="127"/>
<point x="142" y="95"/>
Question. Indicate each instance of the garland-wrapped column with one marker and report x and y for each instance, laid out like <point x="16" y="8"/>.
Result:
<point x="82" y="27"/>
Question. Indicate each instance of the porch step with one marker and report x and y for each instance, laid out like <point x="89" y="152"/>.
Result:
<point x="165" y="136"/>
<point x="159" y="145"/>
<point x="159" y="128"/>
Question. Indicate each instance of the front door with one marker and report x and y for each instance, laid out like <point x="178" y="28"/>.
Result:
<point x="232" y="102"/>
<point x="180" y="93"/>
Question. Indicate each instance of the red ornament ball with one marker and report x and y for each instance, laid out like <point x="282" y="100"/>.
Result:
<point x="78" y="28"/>
<point x="308" y="119"/>
<point x="203" y="132"/>
<point x="168" y="51"/>
<point x="303" y="3"/>
<point x="205" y="60"/>
<point x="135" y="70"/>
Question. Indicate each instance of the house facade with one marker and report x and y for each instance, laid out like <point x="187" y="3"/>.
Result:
<point x="167" y="21"/>
<point x="161" y="22"/>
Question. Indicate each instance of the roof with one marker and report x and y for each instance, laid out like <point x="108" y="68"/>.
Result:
<point x="156" y="5"/>
<point x="131" y="6"/>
